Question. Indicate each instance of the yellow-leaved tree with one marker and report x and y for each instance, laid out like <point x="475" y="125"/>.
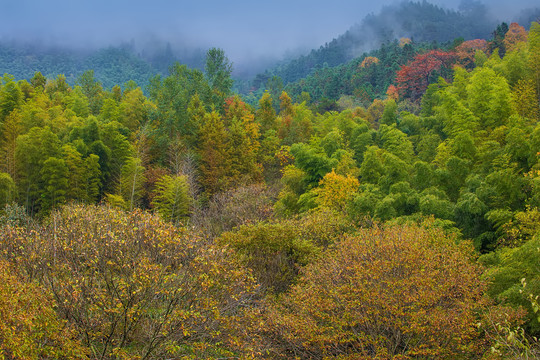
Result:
<point x="133" y="286"/>
<point x="392" y="292"/>
<point x="335" y="191"/>
<point x="29" y="326"/>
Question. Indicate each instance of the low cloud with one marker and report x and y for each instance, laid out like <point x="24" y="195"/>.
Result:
<point x="248" y="31"/>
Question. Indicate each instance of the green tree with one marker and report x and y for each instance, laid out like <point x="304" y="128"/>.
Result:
<point x="395" y="170"/>
<point x="215" y="160"/>
<point x="7" y="189"/>
<point x="243" y="147"/>
<point x="38" y="80"/>
<point x="470" y="214"/>
<point x="104" y="158"/>
<point x="295" y="122"/>
<point x="218" y="71"/>
<point x="110" y="110"/>
<point x="508" y="267"/>
<point x="497" y="43"/>
<point x="78" y="102"/>
<point x="172" y="199"/>
<point x="196" y="114"/>
<point x="76" y="173"/>
<point x="396" y="142"/>
<point x="11" y="129"/>
<point x="361" y="138"/>
<point x="270" y="145"/>
<point x="92" y="89"/>
<point x="285" y="105"/>
<point x="332" y="142"/>
<point x="314" y="162"/>
<point x="389" y="115"/>
<point x="266" y="115"/>
<point x="93" y="178"/>
<point x="422" y="175"/>
<point x="32" y="150"/>
<point x="295" y="183"/>
<point x="489" y="98"/>
<point x="132" y="179"/>
<point x="274" y="85"/>
<point x="172" y="96"/>
<point x="525" y="100"/>
<point x="505" y="189"/>
<point x="11" y="96"/>
<point x="365" y="202"/>
<point x="58" y="88"/>
<point x="120" y="149"/>
<point x="457" y="116"/>
<point x="534" y="54"/>
<point x="54" y="174"/>
<point x="372" y="168"/>
<point x="134" y="109"/>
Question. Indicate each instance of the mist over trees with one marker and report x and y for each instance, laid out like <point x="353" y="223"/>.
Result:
<point x="140" y="57"/>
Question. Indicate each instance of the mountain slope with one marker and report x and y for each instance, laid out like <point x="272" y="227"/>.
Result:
<point x="421" y="21"/>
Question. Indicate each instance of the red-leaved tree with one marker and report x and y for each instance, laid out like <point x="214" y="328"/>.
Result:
<point x="413" y="79"/>
<point x="467" y="50"/>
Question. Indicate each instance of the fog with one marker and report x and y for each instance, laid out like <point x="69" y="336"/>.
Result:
<point x="248" y="31"/>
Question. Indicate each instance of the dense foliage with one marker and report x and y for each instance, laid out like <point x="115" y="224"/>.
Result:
<point x="398" y="292"/>
<point x="131" y="285"/>
<point x="189" y="224"/>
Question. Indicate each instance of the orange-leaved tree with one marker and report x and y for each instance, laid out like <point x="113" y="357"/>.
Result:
<point x="466" y="51"/>
<point x="515" y="34"/>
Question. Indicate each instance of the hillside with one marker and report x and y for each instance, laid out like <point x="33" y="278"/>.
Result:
<point x="420" y="21"/>
<point x="188" y="224"/>
<point x="384" y="208"/>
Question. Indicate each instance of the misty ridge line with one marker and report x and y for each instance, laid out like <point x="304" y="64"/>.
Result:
<point x="154" y="54"/>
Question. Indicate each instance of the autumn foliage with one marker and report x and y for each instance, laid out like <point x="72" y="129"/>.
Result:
<point x="368" y="61"/>
<point x="335" y="191"/>
<point x="404" y="41"/>
<point x="394" y="292"/>
<point x="466" y="51"/>
<point x="413" y="79"/>
<point x="133" y="286"/>
<point x="392" y="92"/>
<point x="192" y="224"/>
<point x="29" y="326"/>
<point x="516" y="34"/>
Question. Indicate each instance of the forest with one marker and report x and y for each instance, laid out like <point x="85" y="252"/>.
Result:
<point x="386" y="208"/>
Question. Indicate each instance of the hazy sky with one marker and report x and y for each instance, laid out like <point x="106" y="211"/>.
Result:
<point x="243" y="28"/>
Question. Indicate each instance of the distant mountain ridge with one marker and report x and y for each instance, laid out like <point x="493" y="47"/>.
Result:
<point x="421" y="21"/>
